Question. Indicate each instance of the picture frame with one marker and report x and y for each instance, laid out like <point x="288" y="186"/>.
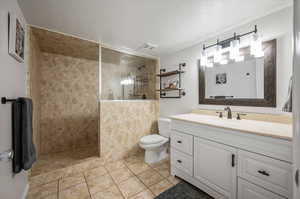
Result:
<point x="16" y="46"/>
<point x="221" y="78"/>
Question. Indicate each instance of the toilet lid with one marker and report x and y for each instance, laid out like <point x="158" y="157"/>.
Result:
<point x="152" y="139"/>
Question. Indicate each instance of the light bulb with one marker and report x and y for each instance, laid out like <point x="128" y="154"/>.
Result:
<point x="234" y="49"/>
<point x="203" y="58"/>
<point x="209" y="64"/>
<point x="256" y="46"/>
<point x="259" y="54"/>
<point x="239" y="58"/>
<point x="224" y="61"/>
<point x="218" y="54"/>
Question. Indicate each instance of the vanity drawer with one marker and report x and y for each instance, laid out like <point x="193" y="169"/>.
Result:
<point x="182" y="142"/>
<point x="247" y="190"/>
<point x="269" y="173"/>
<point x="182" y="161"/>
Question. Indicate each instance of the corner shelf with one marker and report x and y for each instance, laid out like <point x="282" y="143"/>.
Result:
<point x="163" y="91"/>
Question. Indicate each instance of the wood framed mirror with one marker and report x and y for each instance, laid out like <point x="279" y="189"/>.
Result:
<point x="220" y="88"/>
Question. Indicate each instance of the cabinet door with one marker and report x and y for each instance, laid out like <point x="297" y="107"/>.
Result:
<point x="247" y="190"/>
<point x="215" y="166"/>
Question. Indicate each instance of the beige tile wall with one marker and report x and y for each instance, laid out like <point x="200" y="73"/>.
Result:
<point x="33" y="80"/>
<point x="123" y="123"/>
<point x="53" y="42"/>
<point x="69" y="103"/>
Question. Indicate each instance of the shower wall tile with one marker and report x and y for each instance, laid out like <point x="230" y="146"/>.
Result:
<point x="69" y="102"/>
<point x="57" y="43"/>
<point x="33" y="86"/>
<point x="123" y="123"/>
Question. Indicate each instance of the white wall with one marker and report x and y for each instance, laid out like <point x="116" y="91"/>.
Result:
<point x="278" y="25"/>
<point x="12" y="84"/>
<point x="236" y="79"/>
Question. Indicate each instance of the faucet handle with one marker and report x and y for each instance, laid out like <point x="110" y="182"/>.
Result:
<point x="238" y="115"/>
<point x="220" y="114"/>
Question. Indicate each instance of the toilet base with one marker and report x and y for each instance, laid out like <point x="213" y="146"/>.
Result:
<point x="153" y="156"/>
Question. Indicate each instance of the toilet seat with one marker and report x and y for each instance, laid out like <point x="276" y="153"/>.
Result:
<point x="153" y="139"/>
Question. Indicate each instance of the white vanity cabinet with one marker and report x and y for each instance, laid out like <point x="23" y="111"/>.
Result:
<point x="215" y="165"/>
<point x="231" y="164"/>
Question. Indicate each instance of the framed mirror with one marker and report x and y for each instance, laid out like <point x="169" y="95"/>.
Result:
<point x="251" y="82"/>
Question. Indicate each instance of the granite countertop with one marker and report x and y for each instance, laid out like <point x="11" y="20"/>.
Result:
<point x="269" y="129"/>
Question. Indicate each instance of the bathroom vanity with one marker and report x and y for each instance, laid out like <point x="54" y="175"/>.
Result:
<point x="231" y="159"/>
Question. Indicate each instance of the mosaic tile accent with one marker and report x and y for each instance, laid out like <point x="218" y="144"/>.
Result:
<point x="123" y="123"/>
<point x="69" y="103"/>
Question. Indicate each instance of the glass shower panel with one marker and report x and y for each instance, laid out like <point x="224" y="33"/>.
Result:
<point x="127" y="77"/>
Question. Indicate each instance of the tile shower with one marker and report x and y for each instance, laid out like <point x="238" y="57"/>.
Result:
<point x="63" y="83"/>
<point x="129" y="105"/>
<point x="78" y="117"/>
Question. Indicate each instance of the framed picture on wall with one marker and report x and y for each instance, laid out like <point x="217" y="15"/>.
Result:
<point x="16" y="38"/>
<point x="221" y="78"/>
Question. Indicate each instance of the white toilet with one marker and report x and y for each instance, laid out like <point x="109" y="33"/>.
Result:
<point x="156" y="145"/>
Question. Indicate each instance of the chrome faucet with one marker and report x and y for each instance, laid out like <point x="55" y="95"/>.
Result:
<point x="229" y="115"/>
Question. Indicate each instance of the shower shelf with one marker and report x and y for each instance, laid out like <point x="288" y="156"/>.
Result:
<point x="169" y="89"/>
<point x="166" y="74"/>
<point x="163" y="91"/>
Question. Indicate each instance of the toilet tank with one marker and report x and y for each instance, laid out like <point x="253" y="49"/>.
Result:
<point x="164" y="127"/>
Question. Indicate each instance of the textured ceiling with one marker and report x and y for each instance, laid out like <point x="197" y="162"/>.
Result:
<point x="127" y="24"/>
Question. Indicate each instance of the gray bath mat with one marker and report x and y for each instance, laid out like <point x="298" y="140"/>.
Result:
<point x="183" y="190"/>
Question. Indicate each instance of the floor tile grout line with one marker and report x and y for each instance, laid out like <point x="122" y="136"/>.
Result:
<point x="103" y="165"/>
<point x="154" y="168"/>
<point x="115" y="183"/>
<point x="136" y="175"/>
<point x="163" y="178"/>
<point x="87" y="185"/>
<point x="58" y="188"/>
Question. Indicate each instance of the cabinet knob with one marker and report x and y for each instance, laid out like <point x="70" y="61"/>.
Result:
<point x="179" y="161"/>
<point x="262" y="172"/>
<point x="179" y="142"/>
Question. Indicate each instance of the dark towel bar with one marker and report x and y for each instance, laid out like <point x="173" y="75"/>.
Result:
<point x="4" y="100"/>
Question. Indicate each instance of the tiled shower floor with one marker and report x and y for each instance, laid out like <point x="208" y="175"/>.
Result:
<point x="96" y="179"/>
<point x="47" y="163"/>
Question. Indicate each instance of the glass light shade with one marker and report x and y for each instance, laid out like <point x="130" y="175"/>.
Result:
<point x="239" y="58"/>
<point x="209" y="64"/>
<point x="256" y="46"/>
<point x="203" y="58"/>
<point x="234" y="51"/>
<point x="127" y="81"/>
<point x="218" y="54"/>
<point x="259" y="54"/>
<point x="224" y="61"/>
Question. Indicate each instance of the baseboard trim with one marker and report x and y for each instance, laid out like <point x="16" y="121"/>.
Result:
<point x="25" y="191"/>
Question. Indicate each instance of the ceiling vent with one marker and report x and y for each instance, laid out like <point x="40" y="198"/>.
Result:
<point x="148" y="46"/>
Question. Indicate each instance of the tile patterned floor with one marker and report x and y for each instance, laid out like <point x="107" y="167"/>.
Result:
<point x="95" y="179"/>
<point x="47" y="163"/>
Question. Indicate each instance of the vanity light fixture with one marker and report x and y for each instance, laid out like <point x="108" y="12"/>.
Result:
<point x="127" y="81"/>
<point x="256" y="46"/>
<point x="209" y="64"/>
<point x="218" y="53"/>
<point x="224" y="61"/>
<point x="203" y="59"/>
<point x="234" y="49"/>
